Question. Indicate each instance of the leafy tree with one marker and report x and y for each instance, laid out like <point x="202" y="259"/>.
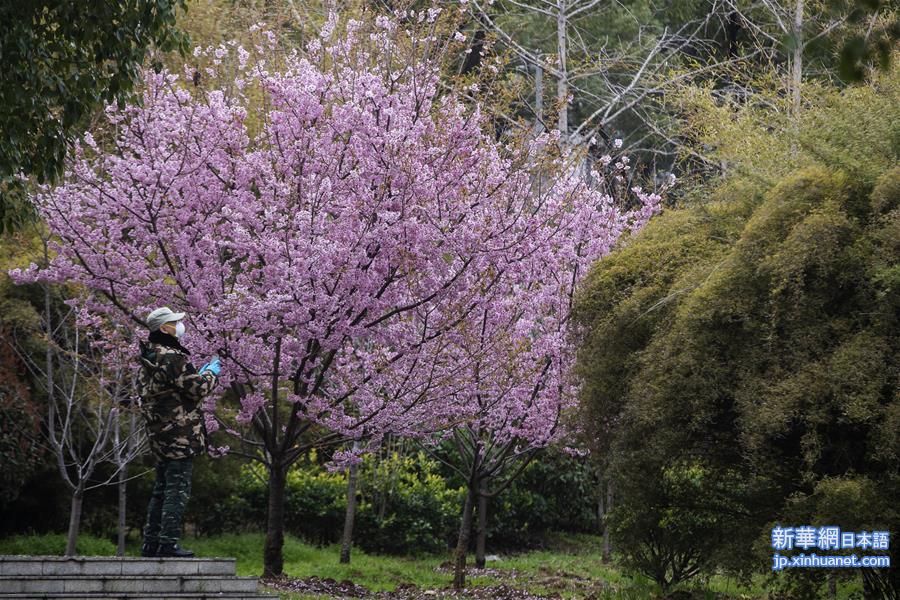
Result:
<point x="62" y="61"/>
<point x="20" y="411"/>
<point x="19" y="423"/>
<point x="746" y="348"/>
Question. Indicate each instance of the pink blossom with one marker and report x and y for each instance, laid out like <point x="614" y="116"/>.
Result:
<point x="369" y="254"/>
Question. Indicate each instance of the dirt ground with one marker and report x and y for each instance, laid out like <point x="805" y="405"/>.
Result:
<point x="347" y="589"/>
<point x="508" y="589"/>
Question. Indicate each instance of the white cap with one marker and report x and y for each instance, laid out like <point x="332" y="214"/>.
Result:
<point x="162" y="315"/>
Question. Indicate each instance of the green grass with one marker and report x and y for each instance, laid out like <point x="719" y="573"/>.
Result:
<point x="574" y="568"/>
<point x="55" y="544"/>
<point x="376" y="572"/>
<point x="571" y="567"/>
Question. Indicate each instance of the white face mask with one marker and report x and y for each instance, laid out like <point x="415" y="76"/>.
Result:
<point x="179" y="330"/>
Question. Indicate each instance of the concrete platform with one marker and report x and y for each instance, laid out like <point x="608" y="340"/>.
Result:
<point x="127" y="578"/>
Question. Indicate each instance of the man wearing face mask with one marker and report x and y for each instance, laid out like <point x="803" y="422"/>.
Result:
<point x="171" y="391"/>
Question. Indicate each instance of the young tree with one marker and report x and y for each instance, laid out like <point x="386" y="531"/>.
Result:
<point x="609" y="60"/>
<point x="84" y="388"/>
<point x="128" y="441"/>
<point x="350" y="514"/>
<point x="815" y="38"/>
<point x="330" y="253"/>
<point x="510" y="398"/>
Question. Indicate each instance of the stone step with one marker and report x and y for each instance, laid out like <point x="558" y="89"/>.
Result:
<point x="131" y="584"/>
<point x="113" y="565"/>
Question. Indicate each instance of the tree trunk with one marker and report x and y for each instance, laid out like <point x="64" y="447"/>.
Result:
<point x="482" y="525"/>
<point x="462" y="543"/>
<point x="601" y="518"/>
<point x="797" y="62"/>
<point x="273" y="555"/>
<point x="732" y="31"/>
<point x="382" y="506"/>
<point x="350" y="515"/>
<point x="562" y="84"/>
<point x="74" y="519"/>
<point x="607" y="547"/>
<point x="473" y="58"/>
<point x="538" y="98"/>
<point x="122" y="487"/>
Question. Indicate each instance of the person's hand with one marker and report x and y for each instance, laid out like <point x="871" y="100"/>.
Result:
<point x="212" y="366"/>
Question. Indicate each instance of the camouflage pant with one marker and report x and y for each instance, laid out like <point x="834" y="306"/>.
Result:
<point x="168" y="500"/>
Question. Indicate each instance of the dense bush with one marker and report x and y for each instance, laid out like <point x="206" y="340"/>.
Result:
<point x="20" y="420"/>
<point x="42" y="504"/>
<point x="740" y="356"/>
<point x="555" y="493"/>
<point x="418" y="514"/>
<point x="405" y="503"/>
<point x="315" y="503"/>
<point x="211" y="509"/>
<point x="420" y="511"/>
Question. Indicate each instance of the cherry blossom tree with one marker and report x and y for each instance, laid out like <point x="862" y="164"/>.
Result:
<point x="327" y="219"/>
<point x="516" y="385"/>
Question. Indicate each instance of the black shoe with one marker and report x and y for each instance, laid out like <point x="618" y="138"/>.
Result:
<point x="173" y="551"/>
<point x="149" y="549"/>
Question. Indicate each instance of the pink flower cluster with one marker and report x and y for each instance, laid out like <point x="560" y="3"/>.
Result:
<point x="350" y="241"/>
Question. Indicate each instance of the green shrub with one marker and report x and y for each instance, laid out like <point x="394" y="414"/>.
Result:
<point x="315" y="503"/>
<point x="227" y="497"/>
<point x="555" y="493"/>
<point x="758" y="378"/>
<point x="242" y="508"/>
<point x="421" y="512"/>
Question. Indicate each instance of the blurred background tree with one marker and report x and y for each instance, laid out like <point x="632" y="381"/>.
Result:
<point x="61" y="62"/>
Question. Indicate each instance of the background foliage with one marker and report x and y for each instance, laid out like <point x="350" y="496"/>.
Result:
<point x="740" y="354"/>
<point x="61" y="62"/>
<point x="405" y="504"/>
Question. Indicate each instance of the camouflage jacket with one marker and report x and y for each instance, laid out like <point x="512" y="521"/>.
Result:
<point x="171" y="392"/>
